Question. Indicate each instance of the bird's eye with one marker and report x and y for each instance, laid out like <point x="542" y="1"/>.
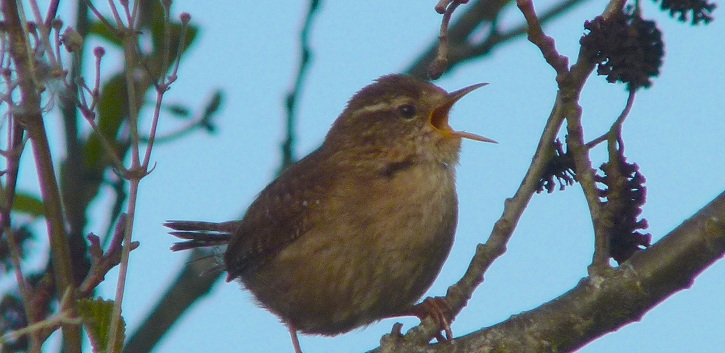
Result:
<point x="407" y="111"/>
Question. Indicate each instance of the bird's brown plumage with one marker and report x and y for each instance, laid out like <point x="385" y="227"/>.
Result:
<point x="358" y="230"/>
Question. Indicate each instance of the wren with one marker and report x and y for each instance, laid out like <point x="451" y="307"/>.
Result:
<point x="356" y="231"/>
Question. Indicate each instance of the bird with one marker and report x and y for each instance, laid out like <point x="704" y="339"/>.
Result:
<point x="359" y="229"/>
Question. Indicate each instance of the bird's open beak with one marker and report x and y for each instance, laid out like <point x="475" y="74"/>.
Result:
<point x="439" y="117"/>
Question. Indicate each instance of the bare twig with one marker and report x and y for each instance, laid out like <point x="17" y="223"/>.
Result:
<point x="478" y="14"/>
<point x="439" y="65"/>
<point x="134" y="173"/>
<point x="165" y="81"/>
<point x="602" y="241"/>
<point x="567" y="109"/>
<point x="602" y="304"/>
<point x="291" y="100"/>
<point x="104" y="262"/>
<point x="116" y="16"/>
<point x="100" y="16"/>
<point x="50" y="15"/>
<point x="542" y="41"/>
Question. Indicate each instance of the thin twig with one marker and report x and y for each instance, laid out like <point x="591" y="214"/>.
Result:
<point x="50" y="15"/>
<point x="615" y="145"/>
<point x="477" y="15"/>
<point x="291" y="99"/>
<point x="626" y="110"/>
<point x="44" y="35"/>
<point x="545" y="43"/>
<point x="134" y="175"/>
<point x="165" y="81"/>
<point x="116" y="16"/>
<point x="108" y="146"/>
<point x="439" y="65"/>
<point x="102" y="262"/>
<point x="620" y="120"/>
<point x="100" y="16"/>
<point x="185" y="17"/>
<point x="98" y="53"/>
<point x="567" y="109"/>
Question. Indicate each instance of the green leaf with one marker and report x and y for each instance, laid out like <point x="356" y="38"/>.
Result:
<point x="96" y="317"/>
<point x="178" y="110"/>
<point x="212" y="107"/>
<point x="28" y="204"/>
<point x="214" y="103"/>
<point x="112" y="110"/>
<point x="104" y="32"/>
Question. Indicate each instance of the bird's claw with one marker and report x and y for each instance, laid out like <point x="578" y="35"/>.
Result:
<point x="438" y="309"/>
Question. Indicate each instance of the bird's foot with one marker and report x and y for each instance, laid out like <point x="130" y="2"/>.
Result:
<point x="438" y="309"/>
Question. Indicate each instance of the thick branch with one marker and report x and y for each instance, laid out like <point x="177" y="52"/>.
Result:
<point x="598" y="305"/>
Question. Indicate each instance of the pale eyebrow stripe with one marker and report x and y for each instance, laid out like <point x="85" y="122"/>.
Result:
<point x="382" y="105"/>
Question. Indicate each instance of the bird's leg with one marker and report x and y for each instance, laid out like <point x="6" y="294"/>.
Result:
<point x="295" y="340"/>
<point x="438" y="309"/>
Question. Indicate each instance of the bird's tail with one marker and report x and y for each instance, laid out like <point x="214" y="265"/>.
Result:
<point x="200" y="234"/>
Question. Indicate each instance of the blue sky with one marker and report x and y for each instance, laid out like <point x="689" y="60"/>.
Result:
<point x="250" y="50"/>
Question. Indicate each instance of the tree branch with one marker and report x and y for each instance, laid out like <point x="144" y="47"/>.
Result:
<point x="478" y="14"/>
<point x="288" y="155"/>
<point x="602" y="304"/>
